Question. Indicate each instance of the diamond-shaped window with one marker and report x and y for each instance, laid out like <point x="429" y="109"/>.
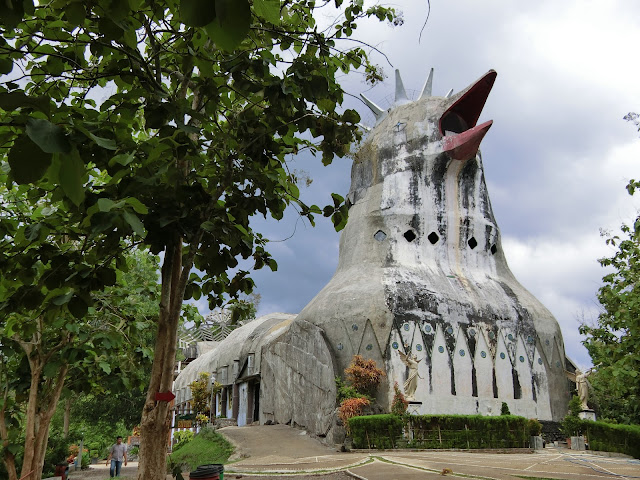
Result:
<point x="379" y="235"/>
<point x="410" y="235"/>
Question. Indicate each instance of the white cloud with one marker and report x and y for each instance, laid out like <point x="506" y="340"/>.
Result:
<point x="556" y="160"/>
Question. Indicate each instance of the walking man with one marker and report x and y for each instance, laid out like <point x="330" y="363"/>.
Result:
<point x="116" y="454"/>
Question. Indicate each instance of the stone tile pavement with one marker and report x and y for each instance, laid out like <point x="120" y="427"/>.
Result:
<point x="279" y="450"/>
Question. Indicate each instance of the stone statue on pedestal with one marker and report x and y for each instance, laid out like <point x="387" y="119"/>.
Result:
<point x="411" y="383"/>
<point x="582" y="385"/>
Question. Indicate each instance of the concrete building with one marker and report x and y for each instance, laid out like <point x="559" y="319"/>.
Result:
<point x="421" y="273"/>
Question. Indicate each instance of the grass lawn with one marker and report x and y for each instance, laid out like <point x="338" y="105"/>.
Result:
<point x="205" y="448"/>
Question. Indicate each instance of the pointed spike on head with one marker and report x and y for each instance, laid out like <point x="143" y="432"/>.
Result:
<point x="377" y="111"/>
<point x="401" y="94"/>
<point x="426" y="90"/>
<point x="449" y="93"/>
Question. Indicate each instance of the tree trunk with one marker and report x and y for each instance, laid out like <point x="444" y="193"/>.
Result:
<point x="67" y="417"/>
<point x="155" y="422"/>
<point x="8" y="458"/>
<point x="32" y="469"/>
<point x="30" y="427"/>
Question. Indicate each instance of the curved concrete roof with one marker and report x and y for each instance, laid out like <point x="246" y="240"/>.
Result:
<point x="247" y="339"/>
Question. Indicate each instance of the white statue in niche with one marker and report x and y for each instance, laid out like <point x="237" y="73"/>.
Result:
<point x="411" y="383"/>
<point x="582" y="385"/>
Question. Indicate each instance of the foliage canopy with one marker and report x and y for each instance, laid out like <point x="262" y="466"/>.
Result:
<point x="613" y="341"/>
<point x="166" y="124"/>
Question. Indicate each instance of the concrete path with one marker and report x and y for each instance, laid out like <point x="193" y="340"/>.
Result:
<point x="274" y="450"/>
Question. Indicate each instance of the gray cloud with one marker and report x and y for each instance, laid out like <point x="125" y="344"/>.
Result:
<point x="556" y="159"/>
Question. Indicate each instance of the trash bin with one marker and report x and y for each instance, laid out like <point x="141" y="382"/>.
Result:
<point x="214" y="471"/>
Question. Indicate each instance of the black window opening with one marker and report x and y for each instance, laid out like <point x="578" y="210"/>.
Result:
<point x="410" y="235"/>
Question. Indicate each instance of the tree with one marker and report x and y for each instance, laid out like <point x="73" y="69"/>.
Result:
<point x="48" y="354"/>
<point x="201" y="394"/>
<point x="169" y="123"/>
<point x="613" y="341"/>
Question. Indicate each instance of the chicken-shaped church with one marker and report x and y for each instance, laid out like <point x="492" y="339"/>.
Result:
<point x="421" y="281"/>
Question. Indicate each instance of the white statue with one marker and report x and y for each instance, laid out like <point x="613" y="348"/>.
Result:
<point x="582" y="385"/>
<point x="411" y="383"/>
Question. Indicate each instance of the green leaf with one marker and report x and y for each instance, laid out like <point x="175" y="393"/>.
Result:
<point x="78" y="307"/>
<point x="107" y="276"/>
<point x="14" y="448"/>
<point x="231" y="24"/>
<point x="326" y="104"/>
<point x="268" y="9"/>
<point x="105" y="367"/>
<point x="32" y="232"/>
<point x="107" y="143"/>
<point x="105" y="204"/>
<point x="11" y="12"/>
<point x="135" y="223"/>
<point x="70" y="176"/>
<point x="62" y="299"/>
<point x="14" y="100"/>
<point x="6" y="65"/>
<point x="350" y="116"/>
<point x="72" y="327"/>
<point x="49" y="137"/>
<point x="28" y="161"/>
<point x="75" y="13"/>
<point x="50" y="369"/>
<point x="197" y="13"/>
<point x="123" y="159"/>
<point x="137" y="205"/>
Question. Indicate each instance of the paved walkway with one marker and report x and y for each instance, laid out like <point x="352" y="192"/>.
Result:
<point x="279" y="449"/>
<point x="276" y="451"/>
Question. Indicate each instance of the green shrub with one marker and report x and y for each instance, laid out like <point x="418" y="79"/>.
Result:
<point x="504" y="409"/>
<point x="399" y="404"/>
<point x="535" y="427"/>
<point x="182" y="438"/>
<point x="376" y="431"/>
<point x="57" y="452"/>
<point x="439" y="431"/>
<point x="344" y="391"/>
<point x="612" y="438"/>
<point x="205" y="448"/>
<point x="572" y="424"/>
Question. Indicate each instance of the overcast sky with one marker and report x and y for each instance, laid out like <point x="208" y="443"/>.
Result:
<point x="556" y="160"/>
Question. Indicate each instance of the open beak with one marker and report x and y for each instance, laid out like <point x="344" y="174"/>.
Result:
<point x="461" y="137"/>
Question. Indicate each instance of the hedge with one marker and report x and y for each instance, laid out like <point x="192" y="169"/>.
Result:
<point x="439" y="431"/>
<point x="608" y="437"/>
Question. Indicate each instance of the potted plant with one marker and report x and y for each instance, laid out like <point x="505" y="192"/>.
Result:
<point x="535" y="429"/>
<point x="572" y="425"/>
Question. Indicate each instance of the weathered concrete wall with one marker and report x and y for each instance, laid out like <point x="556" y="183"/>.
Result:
<point x="422" y="271"/>
<point x="297" y="380"/>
